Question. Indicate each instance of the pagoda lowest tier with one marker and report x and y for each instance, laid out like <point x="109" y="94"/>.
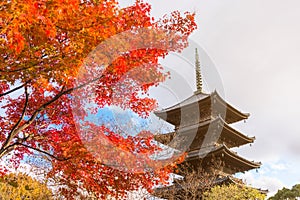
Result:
<point x="198" y="108"/>
<point x="230" y="161"/>
<point x="179" y="188"/>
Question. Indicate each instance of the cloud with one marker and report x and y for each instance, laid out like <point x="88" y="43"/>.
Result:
<point x="263" y="182"/>
<point x="279" y="166"/>
<point x="273" y="175"/>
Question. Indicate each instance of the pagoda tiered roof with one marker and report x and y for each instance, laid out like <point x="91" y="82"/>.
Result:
<point x="233" y="163"/>
<point x="214" y="102"/>
<point x="217" y="129"/>
<point x="203" y="131"/>
<point x="177" y="188"/>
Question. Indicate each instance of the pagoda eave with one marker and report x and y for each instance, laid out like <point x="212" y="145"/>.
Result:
<point x="233" y="162"/>
<point x="203" y="102"/>
<point x="232" y="114"/>
<point x="236" y="135"/>
<point x="228" y="135"/>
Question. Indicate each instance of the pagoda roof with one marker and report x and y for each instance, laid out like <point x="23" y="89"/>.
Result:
<point x="228" y="180"/>
<point x="203" y="98"/>
<point x="229" y="157"/>
<point x="227" y="132"/>
<point x="164" y="192"/>
<point x="233" y="180"/>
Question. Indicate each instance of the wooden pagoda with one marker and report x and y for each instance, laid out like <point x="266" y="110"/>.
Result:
<point x="202" y="129"/>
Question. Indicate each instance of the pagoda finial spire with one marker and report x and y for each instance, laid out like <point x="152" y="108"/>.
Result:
<point x="198" y="73"/>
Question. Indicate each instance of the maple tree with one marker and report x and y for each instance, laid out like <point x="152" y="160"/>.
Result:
<point x="58" y="57"/>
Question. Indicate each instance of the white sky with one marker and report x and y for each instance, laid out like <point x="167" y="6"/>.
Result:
<point x="255" y="46"/>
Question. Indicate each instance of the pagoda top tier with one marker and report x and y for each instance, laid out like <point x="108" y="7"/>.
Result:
<point x="201" y="107"/>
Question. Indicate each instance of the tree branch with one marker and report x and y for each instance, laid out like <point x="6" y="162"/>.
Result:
<point x="12" y="146"/>
<point x="15" y="89"/>
<point x="16" y="70"/>
<point x="12" y="134"/>
<point x="42" y="151"/>
<point x="37" y="63"/>
<point x="16" y="130"/>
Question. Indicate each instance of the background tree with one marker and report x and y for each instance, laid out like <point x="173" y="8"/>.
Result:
<point x="234" y="192"/>
<point x="192" y="183"/>
<point x="47" y="79"/>
<point x="22" y="186"/>
<point x="287" y="194"/>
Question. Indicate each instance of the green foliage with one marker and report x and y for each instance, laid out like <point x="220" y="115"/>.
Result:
<point x="287" y="194"/>
<point x="23" y="187"/>
<point x="233" y="192"/>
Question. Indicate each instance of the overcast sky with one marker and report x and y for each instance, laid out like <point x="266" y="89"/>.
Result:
<point x="255" y="46"/>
